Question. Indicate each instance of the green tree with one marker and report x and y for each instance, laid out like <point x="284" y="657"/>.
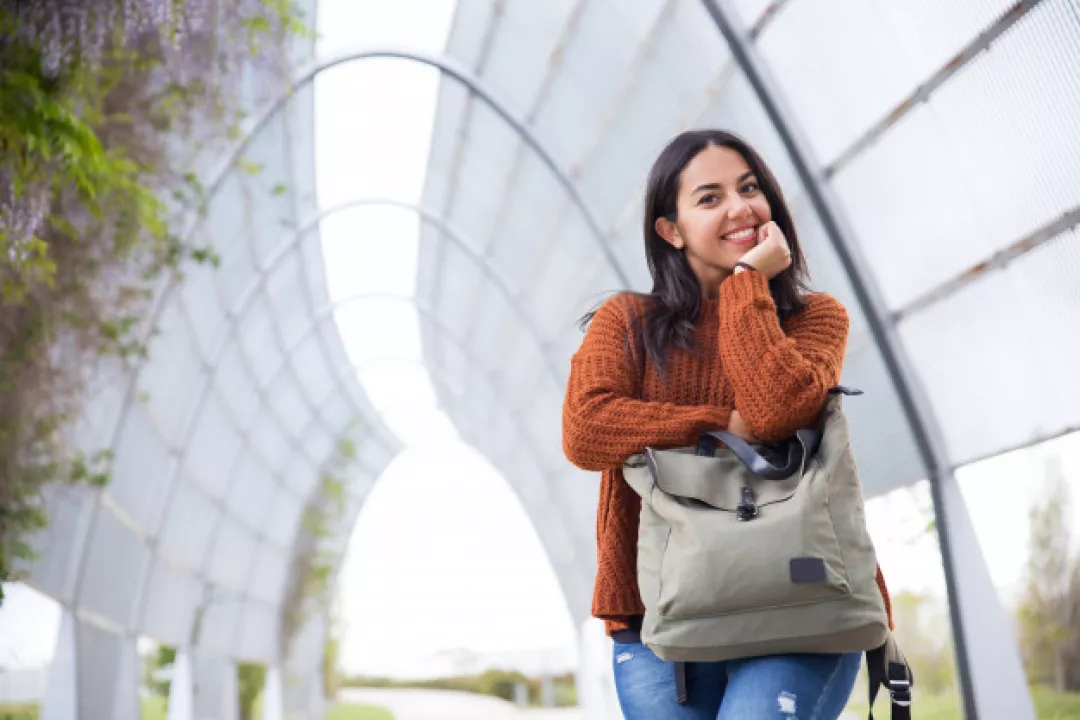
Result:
<point x="163" y="658"/>
<point x="250" y="681"/>
<point x="923" y="633"/>
<point x="332" y="655"/>
<point x="96" y="97"/>
<point x="1049" y="611"/>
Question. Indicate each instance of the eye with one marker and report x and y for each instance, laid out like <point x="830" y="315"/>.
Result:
<point x="707" y="198"/>
<point x="750" y="188"/>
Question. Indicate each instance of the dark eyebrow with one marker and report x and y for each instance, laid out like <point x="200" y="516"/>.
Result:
<point x="716" y="186"/>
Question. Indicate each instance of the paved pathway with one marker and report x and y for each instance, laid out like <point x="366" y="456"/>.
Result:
<point x="448" y="705"/>
<point x="407" y="704"/>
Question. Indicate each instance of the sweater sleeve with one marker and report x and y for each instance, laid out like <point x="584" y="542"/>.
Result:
<point x="603" y="420"/>
<point x="879" y="578"/>
<point x="781" y="375"/>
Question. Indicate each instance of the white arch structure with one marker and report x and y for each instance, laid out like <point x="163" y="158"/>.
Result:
<point x="119" y="563"/>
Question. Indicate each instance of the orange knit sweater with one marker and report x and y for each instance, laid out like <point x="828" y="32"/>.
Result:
<point x="776" y="376"/>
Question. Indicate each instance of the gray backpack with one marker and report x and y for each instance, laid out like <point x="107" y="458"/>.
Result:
<point x="747" y="550"/>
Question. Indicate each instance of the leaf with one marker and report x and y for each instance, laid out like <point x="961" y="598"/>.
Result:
<point x="251" y="168"/>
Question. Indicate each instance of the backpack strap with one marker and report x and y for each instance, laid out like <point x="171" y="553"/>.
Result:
<point x="887" y="666"/>
<point x="681" y="693"/>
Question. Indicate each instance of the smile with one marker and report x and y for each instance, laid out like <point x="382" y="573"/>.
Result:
<point x="741" y="236"/>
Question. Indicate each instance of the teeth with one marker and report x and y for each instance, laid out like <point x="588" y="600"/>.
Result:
<point x="741" y="235"/>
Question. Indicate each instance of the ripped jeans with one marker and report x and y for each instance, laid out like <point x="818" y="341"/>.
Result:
<point x="784" y="687"/>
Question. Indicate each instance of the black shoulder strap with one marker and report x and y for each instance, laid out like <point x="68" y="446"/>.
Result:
<point x="887" y="666"/>
<point x="798" y="449"/>
<point x="801" y="447"/>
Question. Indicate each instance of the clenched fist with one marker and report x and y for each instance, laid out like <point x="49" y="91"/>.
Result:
<point x="772" y="255"/>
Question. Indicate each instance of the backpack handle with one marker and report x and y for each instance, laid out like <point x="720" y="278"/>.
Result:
<point x="799" y="449"/>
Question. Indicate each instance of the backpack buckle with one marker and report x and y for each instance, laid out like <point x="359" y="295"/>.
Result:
<point x="898" y="682"/>
<point x="901" y="697"/>
<point x="747" y="508"/>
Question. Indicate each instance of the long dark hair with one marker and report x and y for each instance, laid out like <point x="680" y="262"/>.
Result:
<point x="672" y="308"/>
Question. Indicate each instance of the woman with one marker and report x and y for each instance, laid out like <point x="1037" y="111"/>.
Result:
<point x="728" y="338"/>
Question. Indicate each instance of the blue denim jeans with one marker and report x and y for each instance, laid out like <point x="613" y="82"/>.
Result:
<point x="785" y="687"/>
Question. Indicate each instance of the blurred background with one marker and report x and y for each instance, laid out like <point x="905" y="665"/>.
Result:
<point x="289" y="292"/>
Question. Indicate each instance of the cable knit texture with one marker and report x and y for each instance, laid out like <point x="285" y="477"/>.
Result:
<point x="777" y="377"/>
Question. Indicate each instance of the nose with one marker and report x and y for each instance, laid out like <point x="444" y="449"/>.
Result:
<point x="738" y="208"/>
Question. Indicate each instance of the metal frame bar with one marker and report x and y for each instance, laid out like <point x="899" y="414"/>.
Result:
<point x="923" y="92"/>
<point x="998" y="261"/>
<point x="991" y="675"/>
<point x="765" y="19"/>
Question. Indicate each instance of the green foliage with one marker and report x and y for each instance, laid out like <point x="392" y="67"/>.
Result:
<point x="85" y="229"/>
<point x="163" y="658"/>
<point x="153" y="708"/>
<point x="923" y="631"/>
<point x="1049" y="705"/>
<point x="314" y="564"/>
<point x="331" y="656"/>
<point x="250" y="680"/>
<point x="1050" y="610"/>
<point x="497" y="683"/>
<point x="349" y="711"/>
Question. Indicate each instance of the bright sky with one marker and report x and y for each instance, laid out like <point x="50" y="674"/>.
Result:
<point x="444" y="570"/>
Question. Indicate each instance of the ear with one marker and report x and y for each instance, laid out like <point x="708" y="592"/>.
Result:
<point x="670" y="232"/>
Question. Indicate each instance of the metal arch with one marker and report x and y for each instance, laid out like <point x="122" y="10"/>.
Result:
<point x="305" y="78"/>
<point x="448" y="67"/>
<point x="462" y="75"/>
<point x="442" y="378"/>
<point x="439" y="377"/>
<point x="246" y="297"/>
<point x="278" y="256"/>
<point x="450" y="231"/>
<point x="991" y="675"/>
<point x="427" y="311"/>
<point x="253" y="127"/>
<point x="172" y="481"/>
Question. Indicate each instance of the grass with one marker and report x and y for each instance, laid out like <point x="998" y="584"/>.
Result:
<point x="357" y="712"/>
<point x="155" y="707"/>
<point x="1049" y="705"/>
<point x="18" y="712"/>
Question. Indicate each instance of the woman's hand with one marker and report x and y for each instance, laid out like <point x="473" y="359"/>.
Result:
<point x="738" y="428"/>
<point x="772" y="255"/>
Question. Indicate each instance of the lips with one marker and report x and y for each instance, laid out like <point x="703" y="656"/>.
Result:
<point x="741" y="236"/>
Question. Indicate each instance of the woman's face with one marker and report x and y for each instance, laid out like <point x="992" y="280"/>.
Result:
<point x="721" y="207"/>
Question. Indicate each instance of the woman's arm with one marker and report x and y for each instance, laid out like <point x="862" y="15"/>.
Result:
<point x="781" y="375"/>
<point x="603" y="421"/>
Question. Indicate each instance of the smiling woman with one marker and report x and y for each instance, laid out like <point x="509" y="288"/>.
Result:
<point x="728" y="338"/>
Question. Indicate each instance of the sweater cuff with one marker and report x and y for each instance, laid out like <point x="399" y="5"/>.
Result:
<point x="724" y="418"/>
<point x="748" y="287"/>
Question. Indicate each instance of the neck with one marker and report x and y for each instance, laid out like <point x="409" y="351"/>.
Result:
<point x="710" y="287"/>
